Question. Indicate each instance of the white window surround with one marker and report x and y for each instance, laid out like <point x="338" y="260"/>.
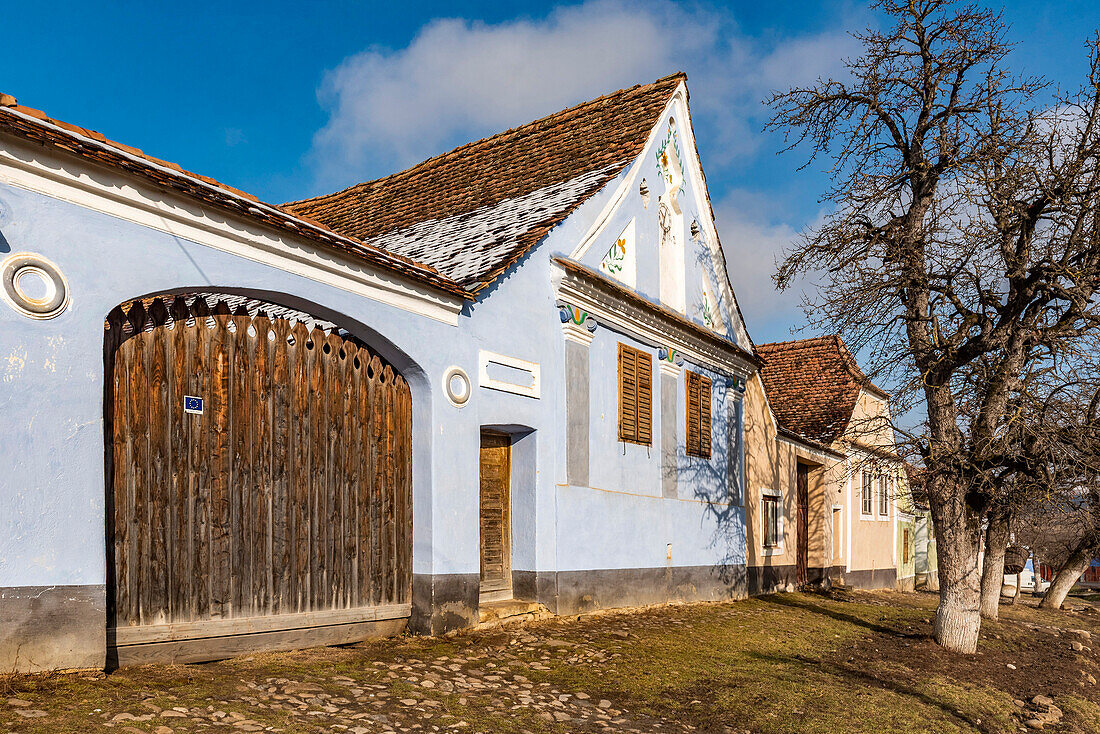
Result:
<point x="884" y="482"/>
<point x="864" y="515"/>
<point x="777" y="549"/>
<point x="485" y="358"/>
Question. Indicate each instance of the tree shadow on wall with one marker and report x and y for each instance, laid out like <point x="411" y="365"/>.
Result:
<point x="715" y="483"/>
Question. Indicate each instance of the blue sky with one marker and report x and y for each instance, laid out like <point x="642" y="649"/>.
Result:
<point x="288" y="100"/>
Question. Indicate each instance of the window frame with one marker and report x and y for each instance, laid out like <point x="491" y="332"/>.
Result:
<point x="866" y="495"/>
<point x="638" y="433"/>
<point x="771" y="497"/>
<point x="699" y="422"/>
<point x="883" y="498"/>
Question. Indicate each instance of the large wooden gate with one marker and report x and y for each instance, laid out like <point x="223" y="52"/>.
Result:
<point x="283" y="506"/>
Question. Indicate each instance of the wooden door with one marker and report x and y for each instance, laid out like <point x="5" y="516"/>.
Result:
<point x="495" y="514"/>
<point x="803" y="522"/>
<point x="258" y="468"/>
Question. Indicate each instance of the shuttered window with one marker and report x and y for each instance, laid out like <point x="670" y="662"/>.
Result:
<point x="698" y="415"/>
<point x="635" y="396"/>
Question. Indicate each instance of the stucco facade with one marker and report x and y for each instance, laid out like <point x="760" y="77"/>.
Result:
<point x="594" y="521"/>
<point x="843" y="542"/>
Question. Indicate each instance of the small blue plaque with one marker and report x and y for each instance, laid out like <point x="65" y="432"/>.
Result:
<point x="192" y="404"/>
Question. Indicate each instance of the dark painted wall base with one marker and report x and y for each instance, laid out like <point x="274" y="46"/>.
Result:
<point x="52" y="628"/>
<point x="768" y="579"/>
<point x="576" y="592"/>
<point x="444" y="602"/>
<point x="882" y="578"/>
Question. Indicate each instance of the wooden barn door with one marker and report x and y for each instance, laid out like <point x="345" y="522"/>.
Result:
<point x="496" y="520"/>
<point x="261" y="476"/>
<point x="802" y="482"/>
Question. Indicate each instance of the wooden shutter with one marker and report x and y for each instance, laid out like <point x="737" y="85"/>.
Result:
<point x="698" y="415"/>
<point x="645" y="397"/>
<point x="635" y="395"/>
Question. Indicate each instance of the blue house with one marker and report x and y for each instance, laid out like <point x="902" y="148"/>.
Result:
<point x="512" y="372"/>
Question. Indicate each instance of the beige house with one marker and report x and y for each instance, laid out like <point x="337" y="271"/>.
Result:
<point x="822" y="473"/>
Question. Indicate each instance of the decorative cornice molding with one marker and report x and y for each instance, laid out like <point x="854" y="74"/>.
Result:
<point x="624" y="310"/>
<point x="668" y="368"/>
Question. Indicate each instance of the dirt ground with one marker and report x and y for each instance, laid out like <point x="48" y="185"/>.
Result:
<point x="839" y="662"/>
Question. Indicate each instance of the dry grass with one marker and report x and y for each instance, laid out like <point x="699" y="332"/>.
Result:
<point x="860" y="662"/>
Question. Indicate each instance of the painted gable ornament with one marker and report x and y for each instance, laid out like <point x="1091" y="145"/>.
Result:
<point x="670" y="222"/>
<point x="670" y="165"/>
<point x="620" y="261"/>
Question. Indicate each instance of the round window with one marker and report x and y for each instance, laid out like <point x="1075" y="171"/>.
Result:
<point x="456" y="385"/>
<point x="33" y="285"/>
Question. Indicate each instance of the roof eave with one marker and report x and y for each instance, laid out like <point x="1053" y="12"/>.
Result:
<point x="39" y="131"/>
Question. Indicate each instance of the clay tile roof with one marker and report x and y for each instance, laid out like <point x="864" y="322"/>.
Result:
<point x="472" y="212"/>
<point x="35" y="126"/>
<point x="812" y="385"/>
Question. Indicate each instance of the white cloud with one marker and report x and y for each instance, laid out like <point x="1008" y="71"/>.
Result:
<point x="754" y="245"/>
<point x="459" y="80"/>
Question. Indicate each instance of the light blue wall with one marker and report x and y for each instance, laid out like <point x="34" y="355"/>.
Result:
<point x="51" y="385"/>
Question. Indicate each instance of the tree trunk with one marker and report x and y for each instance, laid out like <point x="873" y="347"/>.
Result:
<point x="993" y="566"/>
<point x="1016" y="596"/>
<point x="958" y="621"/>
<point x="1066" y="577"/>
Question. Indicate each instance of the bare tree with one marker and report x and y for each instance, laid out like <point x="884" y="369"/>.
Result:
<point x="963" y="228"/>
<point x="1065" y="531"/>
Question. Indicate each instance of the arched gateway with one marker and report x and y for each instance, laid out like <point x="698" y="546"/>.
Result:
<point x="259" y="483"/>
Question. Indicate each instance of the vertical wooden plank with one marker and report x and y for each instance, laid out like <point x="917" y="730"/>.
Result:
<point x="405" y="442"/>
<point x="112" y="339"/>
<point x="123" y="487"/>
<point x="240" y="484"/>
<point x="350" y="523"/>
<point x="260" y="459"/>
<point x="378" y="416"/>
<point x="221" y="468"/>
<point x="355" y="501"/>
<point x="346" y="537"/>
<point x="155" y="567"/>
<point x="366" y="483"/>
<point x="318" y="448"/>
<point x="334" y="470"/>
<point x="139" y="431"/>
<point x="390" y="549"/>
<point x="300" y="417"/>
<point x="282" y="524"/>
<point x="201" y="442"/>
<point x="180" y="513"/>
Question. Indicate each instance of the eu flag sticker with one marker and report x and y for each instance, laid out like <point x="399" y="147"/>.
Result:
<point x="192" y="404"/>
